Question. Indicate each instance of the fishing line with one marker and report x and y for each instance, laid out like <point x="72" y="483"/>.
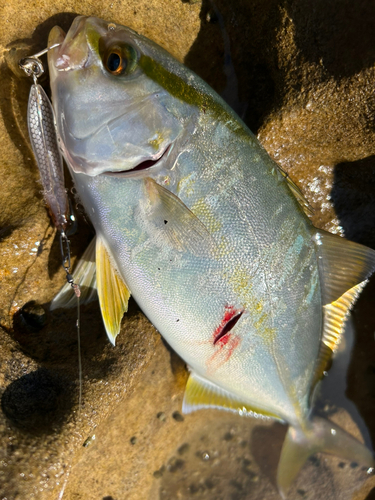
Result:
<point x="65" y="255"/>
<point x="78" y="324"/>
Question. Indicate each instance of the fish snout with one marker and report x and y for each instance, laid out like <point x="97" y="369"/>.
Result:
<point x="73" y="51"/>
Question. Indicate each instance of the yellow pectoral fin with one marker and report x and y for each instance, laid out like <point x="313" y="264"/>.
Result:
<point x="112" y="291"/>
<point x="201" y="393"/>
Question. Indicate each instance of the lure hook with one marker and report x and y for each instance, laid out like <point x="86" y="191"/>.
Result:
<point x="65" y="262"/>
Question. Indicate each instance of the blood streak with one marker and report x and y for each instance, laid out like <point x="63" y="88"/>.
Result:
<point x="223" y="352"/>
<point x="224" y="341"/>
<point x="231" y="316"/>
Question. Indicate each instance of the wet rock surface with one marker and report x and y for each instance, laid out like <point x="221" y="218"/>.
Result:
<point x="302" y="77"/>
<point x="209" y="455"/>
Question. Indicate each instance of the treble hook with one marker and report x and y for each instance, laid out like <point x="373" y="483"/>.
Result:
<point x="65" y="262"/>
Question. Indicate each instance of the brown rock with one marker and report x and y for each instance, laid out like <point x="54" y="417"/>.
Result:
<point x="302" y="78"/>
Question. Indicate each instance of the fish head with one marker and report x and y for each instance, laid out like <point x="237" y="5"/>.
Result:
<point x="114" y="110"/>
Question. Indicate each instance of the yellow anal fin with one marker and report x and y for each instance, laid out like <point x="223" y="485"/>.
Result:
<point x="201" y="393"/>
<point x="172" y="223"/>
<point x="113" y="293"/>
<point x="85" y="275"/>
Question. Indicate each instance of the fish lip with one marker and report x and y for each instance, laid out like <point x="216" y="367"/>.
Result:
<point x="138" y="171"/>
<point x="62" y="60"/>
<point x="56" y="36"/>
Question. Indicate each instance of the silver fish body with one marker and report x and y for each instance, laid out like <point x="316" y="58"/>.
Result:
<point x="200" y="224"/>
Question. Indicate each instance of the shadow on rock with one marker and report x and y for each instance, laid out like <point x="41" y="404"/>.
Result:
<point x="353" y="196"/>
<point x="361" y="372"/>
<point x="38" y="402"/>
<point x="235" y="52"/>
<point x="371" y="495"/>
<point x="50" y="338"/>
<point x="354" y="201"/>
<point x="54" y="343"/>
<point x="266" y="443"/>
<point x="337" y="35"/>
<point x="6" y="231"/>
<point x="257" y="54"/>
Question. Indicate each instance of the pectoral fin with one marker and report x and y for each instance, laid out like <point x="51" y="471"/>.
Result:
<point x="85" y="275"/>
<point x="113" y="292"/>
<point x="170" y="222"/>
<point x="201" y="393"/>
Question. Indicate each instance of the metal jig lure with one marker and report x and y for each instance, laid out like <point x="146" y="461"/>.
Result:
<point x="44" y="142"/>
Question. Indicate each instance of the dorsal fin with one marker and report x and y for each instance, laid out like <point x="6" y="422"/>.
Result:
<point x="336" y="313"/>
<point x="344" y="267"/>
<point x="201" y="393"/>
<point x="112" y="291"/>
<point x="297" y="193"/>
<point x="85" y="275"/>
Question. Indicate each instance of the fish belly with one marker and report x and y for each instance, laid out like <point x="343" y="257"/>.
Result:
<point x="262" y="266"/>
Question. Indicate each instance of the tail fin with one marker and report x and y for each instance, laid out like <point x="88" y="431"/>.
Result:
<point x="320" y="435"/>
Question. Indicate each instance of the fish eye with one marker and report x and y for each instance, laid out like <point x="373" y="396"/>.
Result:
<point x="119" y="59"/>
<point x="115" y="63"/>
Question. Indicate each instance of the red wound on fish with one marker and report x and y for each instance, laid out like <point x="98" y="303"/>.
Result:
<point x="231" y="316"/>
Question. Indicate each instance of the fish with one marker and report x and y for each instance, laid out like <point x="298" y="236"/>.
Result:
<point x="206" y="232"/>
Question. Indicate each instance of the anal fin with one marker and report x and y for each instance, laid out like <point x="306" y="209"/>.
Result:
<point x="113" y="292"/>
<point x="201" y="393"/>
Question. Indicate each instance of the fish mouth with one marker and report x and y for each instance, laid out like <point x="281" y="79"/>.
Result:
<point x="73" y="52"/>
<point x="143" y="167"/>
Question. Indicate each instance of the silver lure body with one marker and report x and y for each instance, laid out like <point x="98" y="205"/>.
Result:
<point x="44" y="143"/>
